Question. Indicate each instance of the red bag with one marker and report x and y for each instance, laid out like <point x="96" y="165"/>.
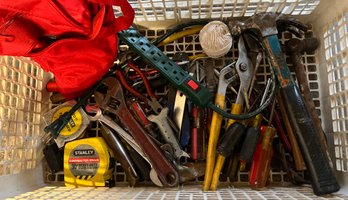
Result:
<point x="76" y="40"/>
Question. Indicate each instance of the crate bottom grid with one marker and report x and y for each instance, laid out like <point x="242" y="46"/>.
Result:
<point x="183" y="192"/>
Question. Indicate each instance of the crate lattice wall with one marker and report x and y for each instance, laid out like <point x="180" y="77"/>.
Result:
<point x="336" y="55"/>
<point x="21" y="104"/>
<point x="161" y="10"/>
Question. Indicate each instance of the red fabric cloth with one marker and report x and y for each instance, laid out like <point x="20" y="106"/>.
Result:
<point x="75" y="40"/>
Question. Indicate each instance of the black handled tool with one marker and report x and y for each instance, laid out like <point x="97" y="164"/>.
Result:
<point x="265" y="25"/>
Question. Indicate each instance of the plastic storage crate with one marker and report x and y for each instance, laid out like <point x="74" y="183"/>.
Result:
<point x="23" y="100"/>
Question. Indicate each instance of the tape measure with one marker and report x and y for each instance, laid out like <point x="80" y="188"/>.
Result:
<point x="74" y="129"/>
<point x="88" y="162"/>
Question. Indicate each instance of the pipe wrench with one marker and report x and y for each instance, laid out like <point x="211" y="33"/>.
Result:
<point x="113" y="101"/>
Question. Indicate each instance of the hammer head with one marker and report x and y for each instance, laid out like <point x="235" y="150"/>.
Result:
<point x="295" y="45"/>
<point x="266" y="24"/>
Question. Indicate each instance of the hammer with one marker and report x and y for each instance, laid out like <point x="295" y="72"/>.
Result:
<point x="295" y="47"/>
<point x="265" y="26"/>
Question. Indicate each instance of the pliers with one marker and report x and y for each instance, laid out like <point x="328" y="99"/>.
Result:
<point x="151" y="100"/>
<point x="216" y="124"/>
<point x="245" y="70"/>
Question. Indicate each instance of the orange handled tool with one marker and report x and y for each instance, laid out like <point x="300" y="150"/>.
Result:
<point x="262" y="158"/>
<point x="252" y="134"/>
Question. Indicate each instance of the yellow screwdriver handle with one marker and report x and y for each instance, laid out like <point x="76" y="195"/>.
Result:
<point x="213" y="140"/>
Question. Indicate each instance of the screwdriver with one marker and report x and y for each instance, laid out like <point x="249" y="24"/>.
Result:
<point x="252" y="135"/>
<point x="261" y="163"/>
<point x="296" y="151"/>
<point x="196" y="132"/>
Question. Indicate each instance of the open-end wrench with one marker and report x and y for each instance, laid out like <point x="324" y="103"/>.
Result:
<point x="167" y="132"/>
<point x="160" y="119"/>
<point x="152" y="100"/>
<point x="216" y="124"/>
<point x="125" y="136"/>
<point x="113" y="101"/>
<point x="187" y="171"/>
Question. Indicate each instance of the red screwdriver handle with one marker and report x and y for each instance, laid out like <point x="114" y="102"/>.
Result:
<point x="262" y="158"/>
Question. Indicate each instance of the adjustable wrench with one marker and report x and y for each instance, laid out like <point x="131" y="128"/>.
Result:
<point x="216" y="124"/>
<point x="167" y="132"/>
<point x="113" y="101"/>
<point x="161" y="119"/>
<point x="128" y="138"/>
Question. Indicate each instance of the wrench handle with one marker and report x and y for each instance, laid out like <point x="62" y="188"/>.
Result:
<point x="121" y="154"/>
<point x="167" y="132"/>
<point x="322" y="176"/>
<point x="165" y="171"/>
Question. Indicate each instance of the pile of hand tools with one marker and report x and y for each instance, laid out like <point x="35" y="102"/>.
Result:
<point x="174" y="120"/>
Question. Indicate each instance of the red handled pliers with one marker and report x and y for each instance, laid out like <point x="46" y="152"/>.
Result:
<point x="152" y="100"/>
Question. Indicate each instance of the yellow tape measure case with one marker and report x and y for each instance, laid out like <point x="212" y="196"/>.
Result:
<point x="76" y="126"/>
<point x="88" y="162"/>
